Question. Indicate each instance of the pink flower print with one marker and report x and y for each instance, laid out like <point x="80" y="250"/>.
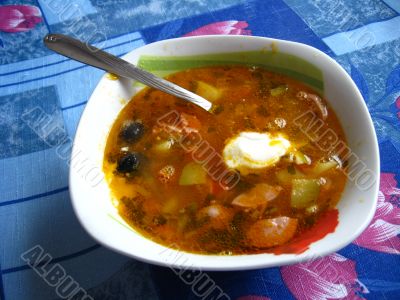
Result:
<point x="19" y="18"/>
<point x="398" y="106"/>
<point x="225" y="27"/>
<point x="382" y="234"/>
<point x="330" y="277"/>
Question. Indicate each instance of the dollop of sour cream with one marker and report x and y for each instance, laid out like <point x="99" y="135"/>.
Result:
<point x="250" y="151"/>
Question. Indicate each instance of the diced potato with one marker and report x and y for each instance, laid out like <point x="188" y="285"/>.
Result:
<point x="192" y="174"/>
<point x="321" y="167"/>
<point x="285" y="176"/>
<point x="271" y="232"/>
<point x="208" y="91"/>
<point x="304" y="192"/>
<point x="164" y="146"/>
<point x="301" y="159"/>
<point x="278" y="90"/>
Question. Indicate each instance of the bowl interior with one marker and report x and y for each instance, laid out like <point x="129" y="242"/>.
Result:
<point x="91" y="195"/>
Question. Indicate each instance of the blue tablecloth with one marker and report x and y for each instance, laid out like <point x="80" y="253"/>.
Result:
<point x="36" y="218"/>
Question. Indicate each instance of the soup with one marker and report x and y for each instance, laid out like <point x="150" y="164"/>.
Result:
<point x="247" y="178"/>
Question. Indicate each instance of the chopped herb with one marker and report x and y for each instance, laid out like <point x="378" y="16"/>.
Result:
<point x="271" y="212"/>
<point x="192" y="207"/>
<point x="181" y="103"/>
<point x="262" y="111"/>
<point x="309" y="221"/>
<point x="111" y="158"/>
<point x="132" y="208"/>
<point x="257" y="74"/>
<point x="159" y="220"/>
<point x="192" y="86"/>
<point x="248" y="123"/>
<point x="209" y="197"/>
<point x="147" y="95"/>
<point x="217" y="109"/>
<point x="291" y="170"/>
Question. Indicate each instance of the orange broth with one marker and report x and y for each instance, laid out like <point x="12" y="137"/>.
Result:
<point x="144" y="164"/>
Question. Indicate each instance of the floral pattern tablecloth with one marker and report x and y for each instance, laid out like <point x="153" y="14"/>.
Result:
<point x="36" y="216"/>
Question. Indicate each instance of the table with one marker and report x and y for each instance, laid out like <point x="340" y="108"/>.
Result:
<point x="36" y="217"/>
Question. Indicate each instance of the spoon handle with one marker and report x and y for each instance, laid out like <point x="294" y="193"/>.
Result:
<point x="95" y="57"/>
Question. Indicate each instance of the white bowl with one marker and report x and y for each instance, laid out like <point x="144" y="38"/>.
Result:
<point x="91" y="196"/>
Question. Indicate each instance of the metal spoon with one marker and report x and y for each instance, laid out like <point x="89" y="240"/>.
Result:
<point x="95" y="57"/>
